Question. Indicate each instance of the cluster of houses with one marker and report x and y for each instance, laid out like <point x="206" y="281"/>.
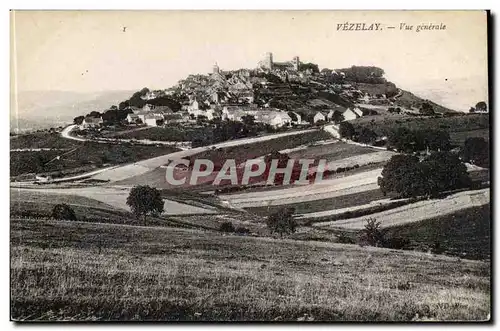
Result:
<point x="161" y="115"/>
<point x="156" y="116"/>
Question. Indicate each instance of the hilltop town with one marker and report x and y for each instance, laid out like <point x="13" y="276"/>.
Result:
<point x="275" y="94"/>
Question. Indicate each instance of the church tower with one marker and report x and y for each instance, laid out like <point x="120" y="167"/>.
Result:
<point x="268" y="61"/>
<point x="216" y="69"/>
<point x="296" y="63"/>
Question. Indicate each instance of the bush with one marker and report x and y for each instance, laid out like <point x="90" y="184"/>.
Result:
<point x="372" y="234"/>
<point x="63" y="212"/>
<point x="344" y="238"/>
<point x="396" y="242"/>
<point x="242" y="230"/>
<point x="226" y="227"/>
<point x="476" y="151"/>
<point x="282" y="221"/>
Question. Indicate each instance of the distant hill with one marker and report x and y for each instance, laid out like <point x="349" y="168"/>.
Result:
<point x="45" y="109"/>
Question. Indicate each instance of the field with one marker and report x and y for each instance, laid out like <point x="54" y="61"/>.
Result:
<point x="343" y="201"/>
<point x="254" y="150"/>
<point x="170" y="133"/>
<point x="458" y="127"/>
<point x="42" y="140"/>
<point x="86" y="154"/>
<point x="458" y="137"/>
<point x="84" y="271"/>
<point x="466" y="233"/>
<point x="331" y="152"/>
<point x="417" y="211"/>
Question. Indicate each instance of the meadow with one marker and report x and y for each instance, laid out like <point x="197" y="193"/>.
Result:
<point x="343" y="201"/>
<point x="169" y="133"/>
<point x="254" y="150"/>
<point x="83" y="271"/>
<point x="459" y="127"/>
<point x="85" y="154"/>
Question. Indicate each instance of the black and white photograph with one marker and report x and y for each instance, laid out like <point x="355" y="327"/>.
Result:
<point x="276" y="166"/>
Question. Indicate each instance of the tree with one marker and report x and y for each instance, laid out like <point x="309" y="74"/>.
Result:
<point x="63" y="212"/>
<point x="78" y="120"/>
<point x="227" y="227"/>
<point x="171" y="103"/>
<point x="367" y="136"/>
<point x="312" y="66"/>
<point x="402" y="175"/>
<point x="440" y="172"/>
<point x="122" y="105"/>
<point x="145" y="200"/>
<point x="443" y="171"/>
<point x="346" y="130"/>
<point x="405" y="140"/>
<point x="436" y="140"/>
<point x="476" y="150"/>
<point x="426" y="109"/>
<point x="282" y="222"/>
<point x="293" y="116"/>
<point x="248" y="120"/>
<point x="337" y="117"/>
<point x="94" y="113"/>
<point x="481" y="106"/>
<point x="201" y="119"/>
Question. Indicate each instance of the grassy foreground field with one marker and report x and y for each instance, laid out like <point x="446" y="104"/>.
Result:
<point x="86" y="271"/>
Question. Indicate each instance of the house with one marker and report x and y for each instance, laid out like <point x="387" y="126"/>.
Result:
<point x="43" y="179"/>
<point x="274" y="118"/>
<point x="234" y="112"/>
<point x="280" y="119"/>
<point x="358" y="112"/>
<point x="133" y="118"/>
<point x="154" y="120"/>
<point x="172" y="118"/>
<point x="319" y="117"/>
<point x="366" y="98"/>
<point x="350" y="115"/>
<point x="141" y="115"/>
<point x="236" y="115"/>
<point x="218" y="97"/>
<point x="91" y="122"/>
<point x="148" y="107"/>
<point x="330" y="114"/>
<point x="194" y="105"/>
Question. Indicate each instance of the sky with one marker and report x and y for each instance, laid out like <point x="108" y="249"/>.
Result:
<point x="126" y="50"/>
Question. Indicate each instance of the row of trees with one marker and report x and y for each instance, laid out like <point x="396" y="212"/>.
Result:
<point x="481" y="106"/>
<point x="476" y="150"/>
<point x="401" y="139"/>
<point x="409" y="141"/>
<point x="409" y="177"/>
<point x="364" y="74"/>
